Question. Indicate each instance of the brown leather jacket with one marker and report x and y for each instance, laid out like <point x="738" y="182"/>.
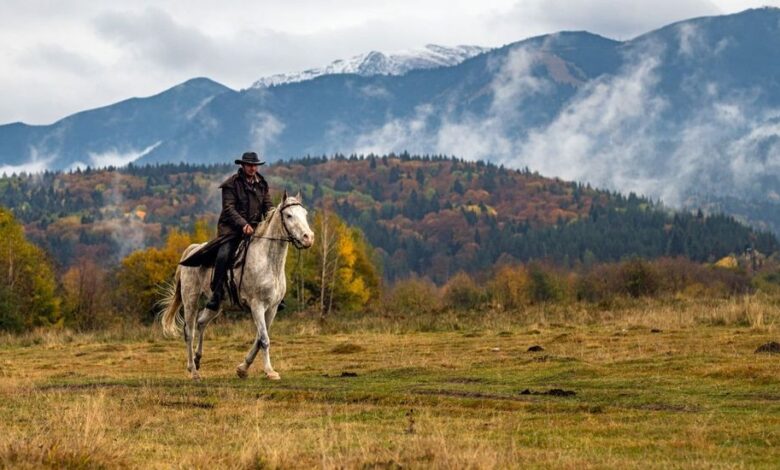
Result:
<point x="243" y="202"/>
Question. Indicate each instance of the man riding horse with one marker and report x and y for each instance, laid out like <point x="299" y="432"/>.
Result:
<point x="262" y="280"/>
<point x="245" y="203"/>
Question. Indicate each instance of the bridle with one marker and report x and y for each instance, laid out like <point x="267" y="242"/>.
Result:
<point x="290" y="239"/>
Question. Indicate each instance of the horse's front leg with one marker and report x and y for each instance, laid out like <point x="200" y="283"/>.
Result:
<point x="268" y="318"/>
<point x="262" y="341"/>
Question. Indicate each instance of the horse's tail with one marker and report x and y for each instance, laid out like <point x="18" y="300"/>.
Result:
<point x="171" y="304"/>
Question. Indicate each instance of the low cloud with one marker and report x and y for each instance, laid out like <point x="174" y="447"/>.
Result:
<point x="604" y="136"/>
<point x="118" y="159"/>
<point x="476" y="137"/>
<point x="399" y="134"/>
<point x="693" y="43"/>
<point x="127" y="234"/>
<point x="38" y="163"/>
<point x="29" y="168"/>
<point x="264" y="131"/>
<point x="375" y="91"/>
<point x="616" y="132"/>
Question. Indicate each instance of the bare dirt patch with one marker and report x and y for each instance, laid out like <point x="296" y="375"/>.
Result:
<point x="772" y="347"/>
<point x="188" y="404"/>
<point x="467" y="394"/>
<point x="553" y="392"/>
<point x="343" y="375"/>
<point x="347" y="348"/>
<point x="466" y="380"/>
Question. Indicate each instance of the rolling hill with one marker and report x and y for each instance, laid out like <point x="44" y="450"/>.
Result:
<point x="433" y="216"/>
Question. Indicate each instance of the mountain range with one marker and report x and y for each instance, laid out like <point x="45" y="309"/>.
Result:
<point x="688" y="113"/>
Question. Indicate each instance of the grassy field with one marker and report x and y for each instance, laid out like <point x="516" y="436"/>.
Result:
<point x="447" y="392"/>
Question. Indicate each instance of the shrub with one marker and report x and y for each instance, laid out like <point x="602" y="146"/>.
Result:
<point x="462" y="293"/>
<point x="639" y="278"/>
<point x="86" y="303"/>
<point x="509" y="287"/>
<point x="413" y="295"/>
<point x="545" y="285"/>
<point x="598" y="284"/>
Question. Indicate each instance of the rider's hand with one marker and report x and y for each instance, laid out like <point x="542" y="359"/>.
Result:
<point x="248" y="230"/>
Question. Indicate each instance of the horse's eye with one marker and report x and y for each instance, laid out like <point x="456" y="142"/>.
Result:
<point x="289" y="216"/>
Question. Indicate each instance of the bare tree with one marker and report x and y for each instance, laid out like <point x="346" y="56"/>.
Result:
<point x="328" y="246"/>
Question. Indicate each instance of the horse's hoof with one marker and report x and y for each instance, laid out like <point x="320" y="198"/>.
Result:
<point x="242" y="372"/>
<point x="273" y="375"/>
<point x="196" y="376"/>
<point x="197" y="362"/>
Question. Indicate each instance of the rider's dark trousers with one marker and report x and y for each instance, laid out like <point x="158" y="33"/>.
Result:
<point x="222" y="263"/>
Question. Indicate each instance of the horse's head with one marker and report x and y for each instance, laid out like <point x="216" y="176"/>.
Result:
<point x="294" y="221"/>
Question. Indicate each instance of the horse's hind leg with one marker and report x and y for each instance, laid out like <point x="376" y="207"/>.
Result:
<point x="190" y="310"/>
<point x="204" y="319"/>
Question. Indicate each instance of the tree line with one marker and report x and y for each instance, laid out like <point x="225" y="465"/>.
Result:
<point x="341" y="275"/>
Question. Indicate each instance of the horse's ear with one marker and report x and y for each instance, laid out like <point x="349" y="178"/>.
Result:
<point x="298" y="196"/>
<point x="284" y="198"/>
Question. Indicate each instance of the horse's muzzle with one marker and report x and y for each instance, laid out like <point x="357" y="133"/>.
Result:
<point x="307" y="240"/>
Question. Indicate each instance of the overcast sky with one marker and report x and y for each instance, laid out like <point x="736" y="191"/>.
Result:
<point x="59" y="57"/>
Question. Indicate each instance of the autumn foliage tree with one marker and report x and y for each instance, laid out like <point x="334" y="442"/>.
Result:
<point x="86" y="302"/>
<point x="27" y="284"/>
<point x="142" y="274"/>
<point x="339" y="273"/>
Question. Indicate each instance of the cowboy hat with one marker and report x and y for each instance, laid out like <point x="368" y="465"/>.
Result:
<point x="249" y="158"/>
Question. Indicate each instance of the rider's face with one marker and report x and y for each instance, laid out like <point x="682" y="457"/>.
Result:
<point x="249" y="170"/>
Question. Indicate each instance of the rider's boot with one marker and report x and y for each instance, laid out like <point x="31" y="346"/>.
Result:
<point x="215" y="300"/>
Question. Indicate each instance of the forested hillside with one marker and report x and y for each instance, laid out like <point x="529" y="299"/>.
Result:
<point x="429" y="215"/>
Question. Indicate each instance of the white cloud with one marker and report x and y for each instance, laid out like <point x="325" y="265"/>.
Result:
<point x="375" y="91"/>
<point x="398" y="134"/>
<point x="755" y="154"/>
<point x="471" y="136"/>
<point x="37" y="163"/>
<point x="602" y="135"/>
<point x="265" y="129"/>
<point x="31" y="167"/>
<point x="515" y="80"/>
<point x="82" y="54"/>
<point x="117" y="159"/>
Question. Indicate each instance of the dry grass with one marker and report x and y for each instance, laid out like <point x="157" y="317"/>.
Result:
<point x="421" y="393"/>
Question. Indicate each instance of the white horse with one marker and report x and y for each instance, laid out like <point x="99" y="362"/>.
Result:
<point x="262" y="288"/>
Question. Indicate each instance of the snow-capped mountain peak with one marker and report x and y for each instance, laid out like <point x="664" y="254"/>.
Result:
<point x="378" y="63"/>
